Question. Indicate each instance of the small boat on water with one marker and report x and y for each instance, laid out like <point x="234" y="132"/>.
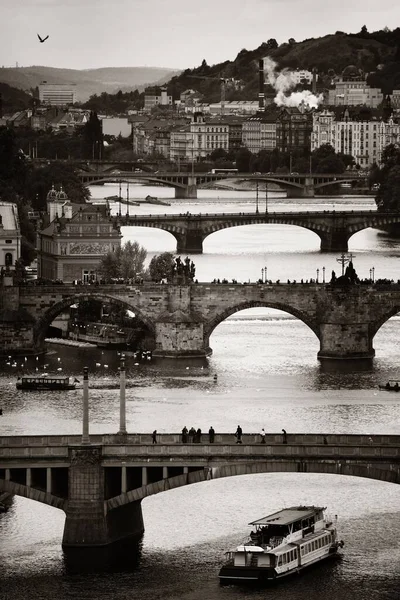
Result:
<point x="46" y="383"/>
<point x="153" y="200"/>
<point x="282" y="544"/>
<point x="393" y="385"/>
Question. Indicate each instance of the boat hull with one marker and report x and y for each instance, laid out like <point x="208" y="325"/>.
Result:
<point x="235" y="575"/>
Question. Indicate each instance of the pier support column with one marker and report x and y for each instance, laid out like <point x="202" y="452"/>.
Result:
<point x="48" y="480"/>
<point x="180" y="340"/>
<point x="189" y="191"/>
<point x="336" y="240"/>
<point x="345" y="341"/>
<point x="28" y="477"/>
<point x="190" y="243"/>
<point x="144" y="475"/>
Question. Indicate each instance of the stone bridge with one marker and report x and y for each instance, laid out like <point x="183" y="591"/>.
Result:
<point x="187" y="183"/>
<point x="181" y="318"/>
<point x="333" y="228"/>
<point x="100" y="484"/>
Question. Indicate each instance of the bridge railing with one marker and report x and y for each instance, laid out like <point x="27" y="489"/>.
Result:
<point x="167" y="439"/>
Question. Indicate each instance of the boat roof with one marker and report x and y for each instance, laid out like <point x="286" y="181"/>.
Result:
<point x="286" y="516"/>
<point x="45" y="377"/>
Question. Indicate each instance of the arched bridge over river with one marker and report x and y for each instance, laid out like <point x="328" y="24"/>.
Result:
<point x="181" y="318"/>
<point x="100" y="485"/>
<point x="186" y="184"/>
<point x="333" y="228"/>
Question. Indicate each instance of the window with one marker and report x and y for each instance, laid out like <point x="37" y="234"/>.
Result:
<point x="9" y="241"/>
<point x="8" y="259"/>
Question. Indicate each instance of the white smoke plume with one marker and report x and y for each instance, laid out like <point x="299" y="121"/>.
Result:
<point x="282" y="82"/>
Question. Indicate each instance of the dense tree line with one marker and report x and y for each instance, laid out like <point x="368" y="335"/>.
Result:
<point x="387" y="177"/>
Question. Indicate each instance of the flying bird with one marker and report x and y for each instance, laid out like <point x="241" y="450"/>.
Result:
<point x="41" y="40"/>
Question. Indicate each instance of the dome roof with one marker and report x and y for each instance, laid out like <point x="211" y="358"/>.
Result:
<point x="62" y="196"/>
<point x="52" y="195"/>
<point x="351" y="72"/>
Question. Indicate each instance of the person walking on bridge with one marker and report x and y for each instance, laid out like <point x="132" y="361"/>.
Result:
<point x="154" y="436"/>
<point x="284" y="436"/>
<point x="238" y="434"/>
<point x="262" y="434"/>
<point x="211" y="434"/>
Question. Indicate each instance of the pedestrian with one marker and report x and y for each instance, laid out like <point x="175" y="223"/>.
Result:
<point x="325" y="440"/>
<point x="192" y="433"/>
<point x="198" y="436"/>
<point x="262" y="434"/>
<point x="284" y="436"/>
<point x="211" y="434"/>
<point x="238" y="434"/>
<point x="154" y="436"/>
<point x="184" y="435"/>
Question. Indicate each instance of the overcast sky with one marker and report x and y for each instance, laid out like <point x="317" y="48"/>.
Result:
<point x="170" y="33"/>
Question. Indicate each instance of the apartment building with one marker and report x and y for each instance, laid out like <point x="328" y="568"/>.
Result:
<point x="10" y="235"/>
<point x="259" y="131"/>
<point x="57" y="94"/>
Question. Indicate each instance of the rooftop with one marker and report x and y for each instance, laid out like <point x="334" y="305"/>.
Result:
<point x="9" y="216"/>
<point x="286" y="516"/>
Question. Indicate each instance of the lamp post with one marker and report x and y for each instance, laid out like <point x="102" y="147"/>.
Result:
<point x="257" y="197"/>
<point x="85" y="415"/>
<point x="266" y="274"/>
<point x="266" y="197"/>
<point x="373" y="274"/>
<point x="323" y="274"/>
<point x="122" y="402"/>
<point x="317" y="275"/>
<point x="127" y="199"/>
<point x="262" y="274"/>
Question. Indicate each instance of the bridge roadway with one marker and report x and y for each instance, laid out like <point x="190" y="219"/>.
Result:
<point x="100" y="485"/>
<point x="334" y="228"/>
<point x="187" y="183"/>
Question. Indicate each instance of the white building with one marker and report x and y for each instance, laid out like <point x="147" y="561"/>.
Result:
<point x="259" y="133"/>
<point x="354" y="93"/>
<point x="10" y="235"/>
<point x="152" y="99"/>
<point x="364" y="140"/>
<point x="206" y="136"/>
<point x="57" y="94"/>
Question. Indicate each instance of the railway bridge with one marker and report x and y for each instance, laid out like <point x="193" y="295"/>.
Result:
<point x="101" y="481"/>
<point x="180" y="318"/>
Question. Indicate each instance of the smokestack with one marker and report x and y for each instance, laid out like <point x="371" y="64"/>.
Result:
<point x="261" y="94"/>
<point x="314" y="81"/>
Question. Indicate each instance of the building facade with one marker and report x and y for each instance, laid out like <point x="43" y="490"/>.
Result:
<point x="259" y="132"/>
<point x="293" y="130"/>
<point x="71" y="246"/>
<point x="156" y="97"/>
<point x="10" y="235"/>
<point x="57" y="94"/>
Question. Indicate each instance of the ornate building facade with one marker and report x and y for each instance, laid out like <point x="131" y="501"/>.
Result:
<point x="70" y="247"/>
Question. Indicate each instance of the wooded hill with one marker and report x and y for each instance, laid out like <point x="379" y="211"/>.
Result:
<point x="88" y="81"/>
<point x="374" y="53"/>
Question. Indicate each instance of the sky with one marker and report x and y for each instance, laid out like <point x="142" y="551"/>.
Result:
<point x="176" y="34"/>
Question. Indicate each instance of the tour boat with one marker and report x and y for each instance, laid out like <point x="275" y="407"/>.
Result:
<point x="46" y="383"/>
<point x="393" y="385"/>
<point x="282" y="544"/>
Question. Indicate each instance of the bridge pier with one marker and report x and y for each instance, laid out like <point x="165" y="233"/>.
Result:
<point x="190" y="243"/>
<point x="189" y="191"/>
<point x="87" y="523"/>
<point x="336" y="240"/>
<point x="345" y="341"/>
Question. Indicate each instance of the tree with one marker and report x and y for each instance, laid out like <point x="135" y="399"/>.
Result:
<point x="132" y="257"/>
<point x="126" y="262"/>
<point x="331" y="164"/>
<point x="162" y="266"/>
<point x="388" y="197"/>
<point x="92" y="142"/>
<point x="243" y="157"/>
<point x="272" y="44"/>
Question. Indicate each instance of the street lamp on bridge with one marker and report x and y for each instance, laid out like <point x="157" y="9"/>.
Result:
<point x="323" y="274"/>
<point x="317" y="275"/>
<point x="257" y="197"/>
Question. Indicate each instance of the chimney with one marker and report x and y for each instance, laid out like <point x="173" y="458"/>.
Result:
<point x="261" y="94"/>
<point x="314" y="81"/>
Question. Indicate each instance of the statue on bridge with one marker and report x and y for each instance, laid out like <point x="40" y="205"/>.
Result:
<point x="183" y="271"/>
<point x="350" y="276"/>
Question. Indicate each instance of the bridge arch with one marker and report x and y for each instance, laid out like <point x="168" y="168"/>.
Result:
<point x="394" y="310"/>
<point x="328" y="467"/>
<point x="45" y="320"/>
<point x="211" y="325"/>
<point x="126" y="179"/>
<point x="18" y="489"/>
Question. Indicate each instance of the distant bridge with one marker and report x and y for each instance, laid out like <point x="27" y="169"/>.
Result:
<point x="100" y="484"/>
<point x="190" y="230"/>
<point x="186" y="183"/>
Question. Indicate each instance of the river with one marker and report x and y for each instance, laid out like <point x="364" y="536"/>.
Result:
<point x="268" y="376"/>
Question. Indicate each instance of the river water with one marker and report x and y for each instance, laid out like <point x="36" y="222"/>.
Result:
<point x="268" y="376"/>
